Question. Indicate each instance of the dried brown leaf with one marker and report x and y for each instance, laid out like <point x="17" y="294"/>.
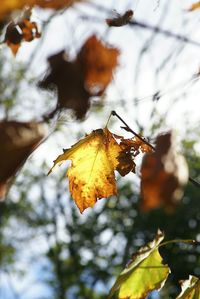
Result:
<point x="98" y="62"/>
<point x="18" y="140"/>
<point x="163" y="175"/>
<point x="120" y="20"/>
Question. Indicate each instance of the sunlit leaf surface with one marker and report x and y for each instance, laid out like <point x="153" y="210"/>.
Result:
<point x="94" y="159"/>
<point x="190" y="288"/>
<point x="144" y="273"/>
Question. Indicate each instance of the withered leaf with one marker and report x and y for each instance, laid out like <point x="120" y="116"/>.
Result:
<point x="18" y="140"/>
<point x="194" y="6"/>
<point x="66" y="77"/>
<point x="163" y="175"/>
<point x="94" y="159"/>
<point x="8" y="6"/>
<point x="120" y="20"/>
<point x="54" y="4"/>
<point x="23" y="30"/>
<point x="97" y="62"/>
<point x="76" y="81"/>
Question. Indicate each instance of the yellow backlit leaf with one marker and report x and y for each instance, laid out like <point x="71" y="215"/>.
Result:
<point x="94" y="159"/>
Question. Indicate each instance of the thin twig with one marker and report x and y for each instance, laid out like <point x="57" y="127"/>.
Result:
<point x="146" y="26"/>
<point x="164" y="32"/>
<point x="114" y="113"/>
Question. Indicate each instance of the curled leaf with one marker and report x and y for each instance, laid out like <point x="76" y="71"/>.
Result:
<point x="94" y="159"/>
<point x="18" y="140"/>
<point x="163" y="175"/>
<point x="23" y="30"/>
<point x="190" y="288"/>
<point x="143" y="274"/>
<point x="120" y="20"/>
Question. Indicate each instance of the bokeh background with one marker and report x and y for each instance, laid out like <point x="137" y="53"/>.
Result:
<point x="48" y="249"/>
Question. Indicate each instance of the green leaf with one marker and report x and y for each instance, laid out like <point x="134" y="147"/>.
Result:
<point x="143" y="274"/>
<point x="190" y="288"/>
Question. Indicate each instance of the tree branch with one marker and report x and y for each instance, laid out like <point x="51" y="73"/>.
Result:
<point x="114" y="113"/>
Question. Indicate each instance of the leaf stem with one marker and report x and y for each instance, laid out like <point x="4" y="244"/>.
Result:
<point x="114" y="113"/>
<point x="108" y="119"/>
<point x="190" y="241"/>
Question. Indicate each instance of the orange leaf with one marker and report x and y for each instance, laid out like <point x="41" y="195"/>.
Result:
<point x="18" y="140"/>
<point x="194" y="6"/>
<point x="163" y="175"/>
<point x="23" y="30"/>
<point x="94" y="159"/>
<point x="97" y="63"/>
<point x="55" y="4"/>
<point x="76" y="81"/>
<point x="8" y="6"/>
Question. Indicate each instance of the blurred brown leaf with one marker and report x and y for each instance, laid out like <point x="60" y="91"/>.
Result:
<point x="18" y="140"/>
<point x="67" y="78"/>
<point x="97" y="64"/>
<point x="163" y="175"/>
<point x="54" y="4"/>
<point x="9" y="6"/>
<point x="76" y="81"/>
<point x="120" y="20"/>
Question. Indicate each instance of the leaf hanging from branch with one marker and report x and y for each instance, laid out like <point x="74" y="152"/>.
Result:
<point x="94" y="159"/>
<point x="143" y="274"/>
<point x="163" y="175"/>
